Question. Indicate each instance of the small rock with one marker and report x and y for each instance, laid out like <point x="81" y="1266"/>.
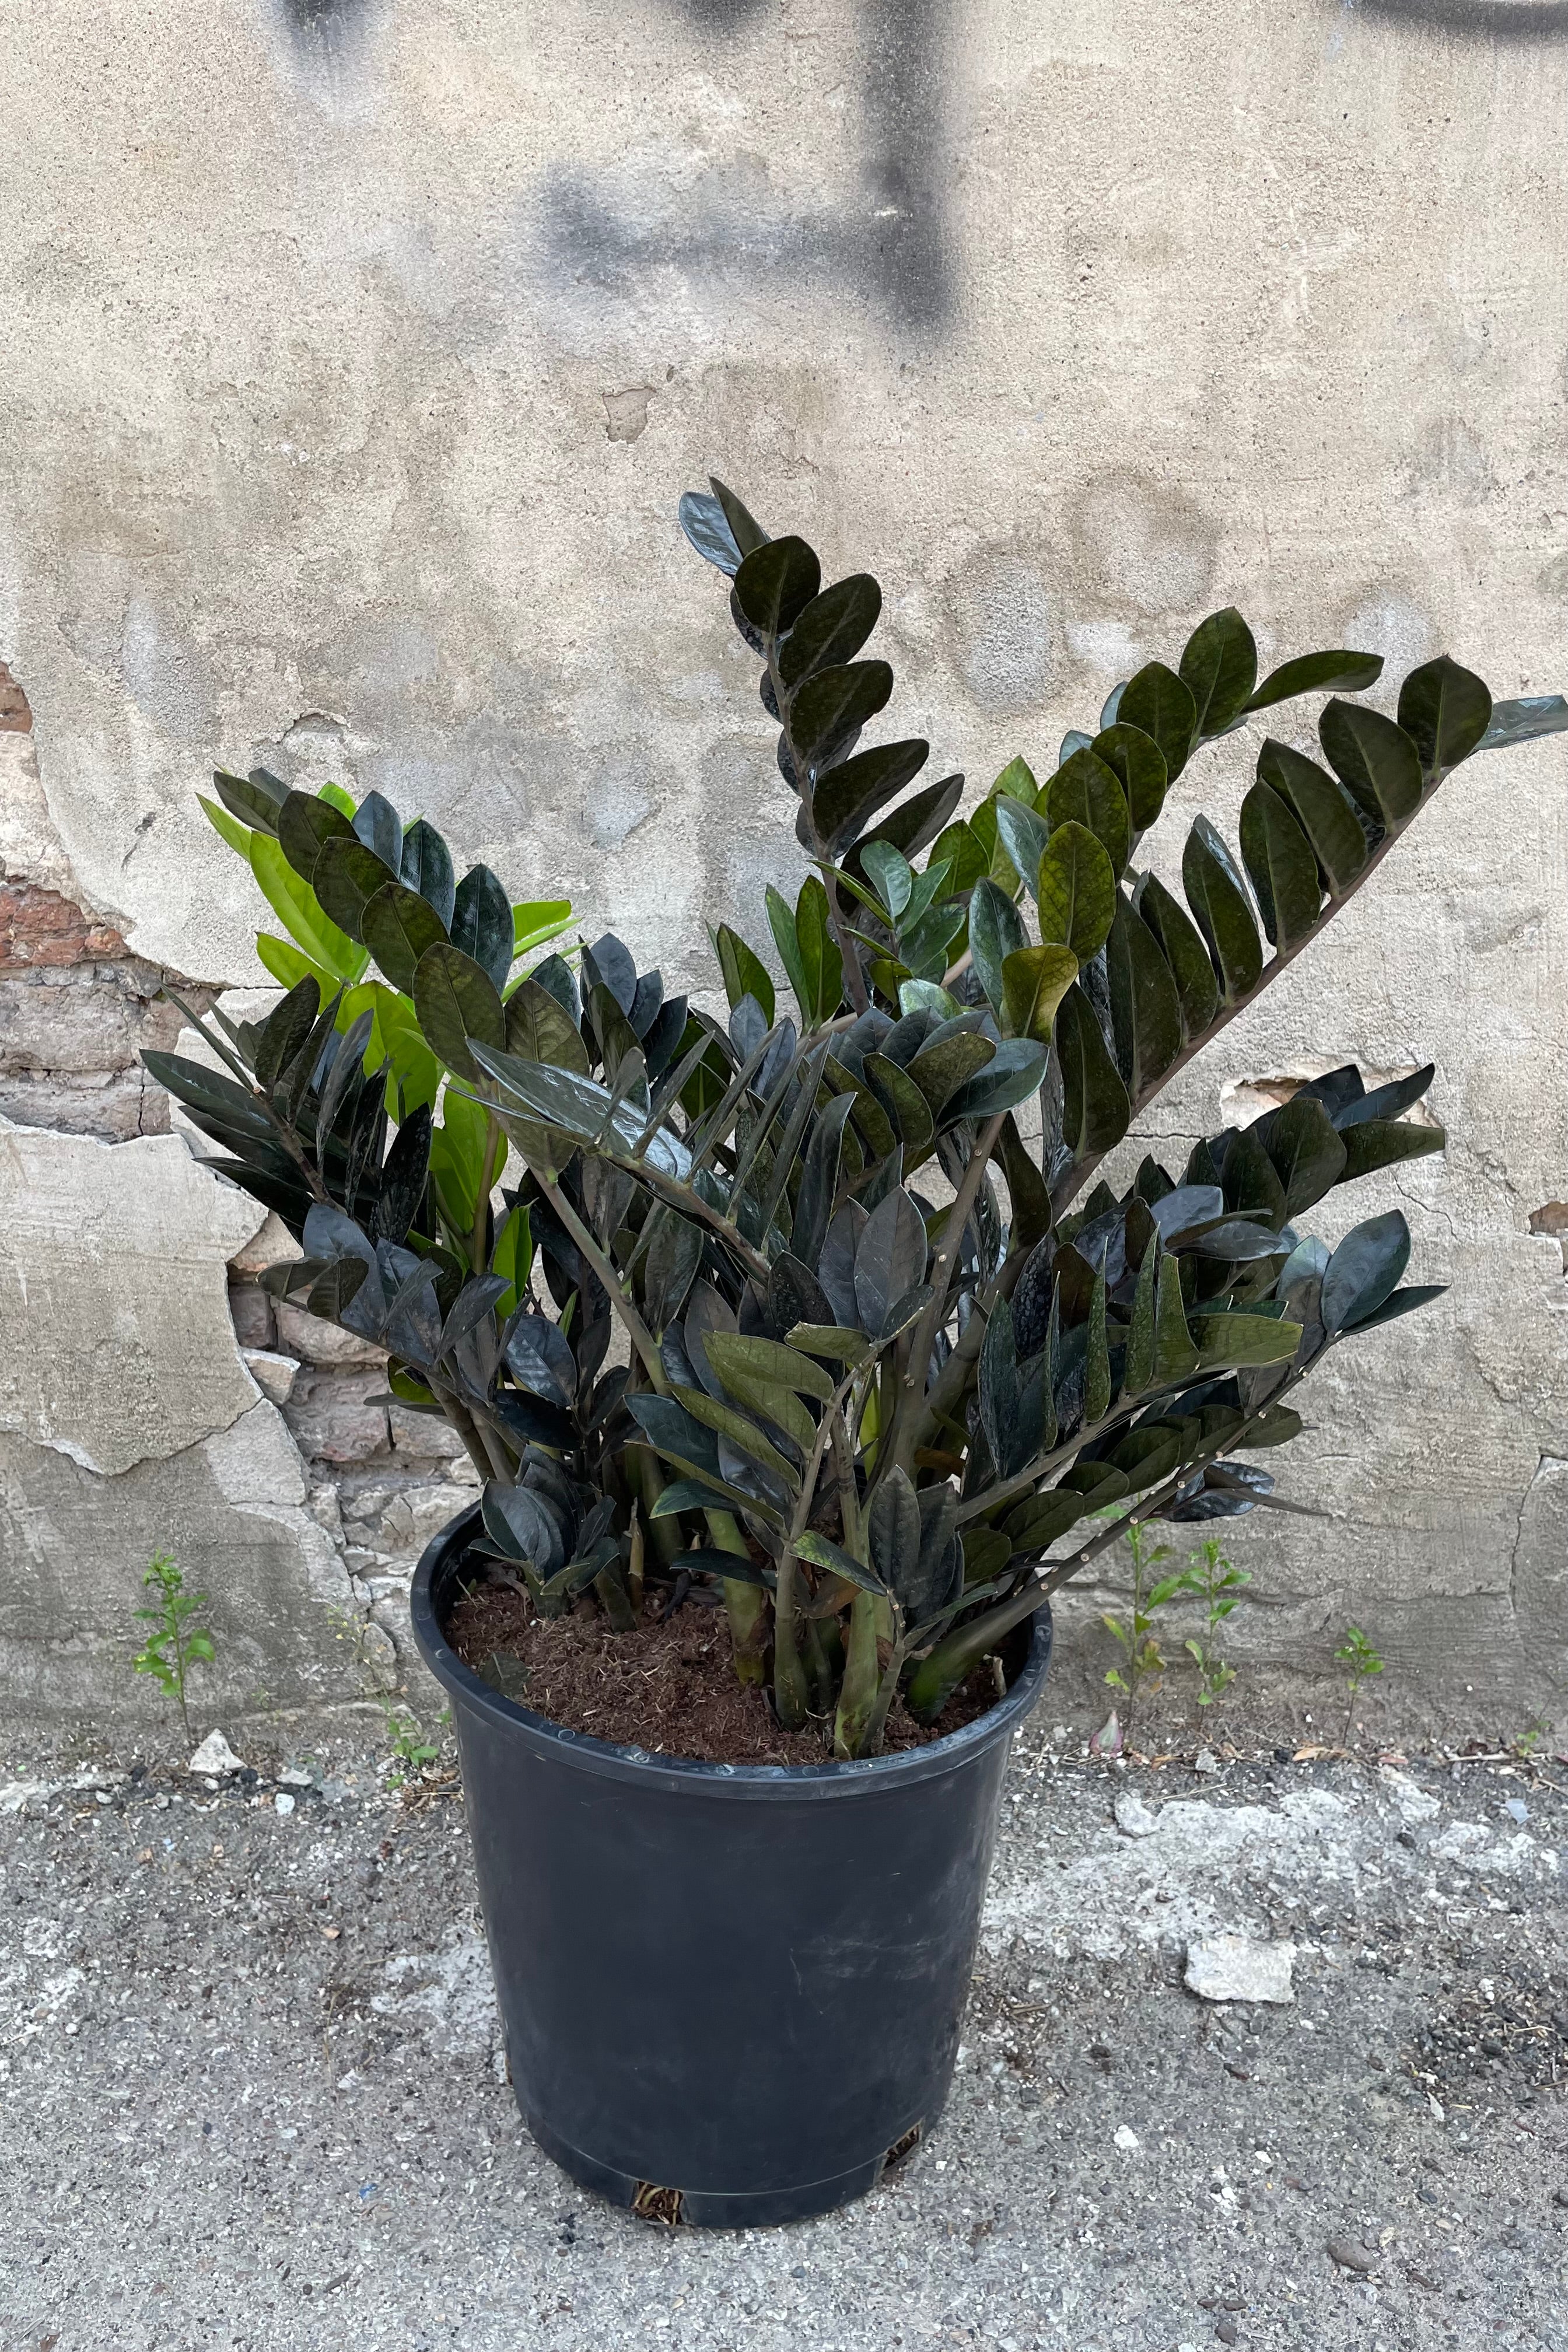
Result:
<point x="1240" y="1968"/>
<point x="1134" y="1817"/>
<point x="1228" y="2332"/>
<point x="1416" y="1803"/>
<point x="1206" y="1761"/>
<point x="293" y="1775"/>
<point x="1127" y="2139"/>
<point x="283" y="1802"/>
<point x="214" y="1756"/>
<point x="1352" y="2255"/>
<point x="274" y="1375"/>
<point x="1516" y="1809"/>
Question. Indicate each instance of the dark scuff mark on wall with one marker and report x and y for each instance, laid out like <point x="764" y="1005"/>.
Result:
<point x="732" y="227"/>
<point x="324" y="27"/>
<point x="1488" y="20"/>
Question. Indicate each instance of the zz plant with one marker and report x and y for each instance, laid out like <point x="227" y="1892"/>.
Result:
<point x="888" y="1337"/>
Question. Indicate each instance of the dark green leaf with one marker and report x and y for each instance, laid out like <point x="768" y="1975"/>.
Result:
<point x="1147" y="1455"/>
<point x="1033" y="982"/>
<point x="1181" y="944"/>
<point x="1283" y="870"/>
<point x="832" y="628"/>
<point x="1138" y="1366"/>
<point x="397" y="925"/>
<point x="304" y="823"/>
<point x="1376" y="1143"/>
<point x="995" y="933"/>
<point x="834" y="1560"/>
<point x="345" y="880"/>
<point x="1162" y="704"/>
<point x="1307" y="1155"/>
<point x="780" y="922"/>
<point x="821" y="960"/>
<point x="1219" y="667"/>
<point x="850" y="794"/>
<point x="1175" y="1354"/>
<point x="1095" y="1108"/>
<point x="904" y="1103"/>
<point x="1145" y="1009"/>
<point x="254" y="800"/>
<point x="893" y="1530"/>
<point x="1097" y="1358"/>
<point x="1363" y="1270"/>
<point x="1446" y="712"/>
<point x="1401" y="1302"/>
<point x="1023" y="835"/>
<point x="1015" y="1072"/>
<point x="454" y="1000"/>
<point x="1328" y="673"/>
<point x="1137" y="761"/>
<point x="1086" y="792"/>
<point x="481" y="922"/>
<point x="890" y="1259"/>
<point x="377" y="824"/>
<point x="768" y="1363"/>
<point x="726" y="1421"/>
<point x="1224" y="916"/>
<point x="1384" y="1102"/>
<point x="1376" y="760"/>
<point x="1522" y="721"/>
<point x="1252" y="1184"/>
<point x="918" y="820"/>
<point x="819" y="1180"/>
<point x="539" y="1357"/>
<point x="539" y="1029"/>
<point x="1320" y="806"/>
<point x="942" y="1068"/>
<point x="745" y="974"/>
<point x="1232" y="1342"/>
<point x="707" y="526"/>
<point x="427" y="866"/>
<point x="1026" y="1190"/>
<point x="828" y="709"/>
<point x="669" y="1265"/>
<point x="285" y="1030"/>
<point x="775" y="584"/>
<point x="1076" y="890"/>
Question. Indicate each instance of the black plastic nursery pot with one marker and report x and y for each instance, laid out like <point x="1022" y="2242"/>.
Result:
<point x="731" y="1993"/>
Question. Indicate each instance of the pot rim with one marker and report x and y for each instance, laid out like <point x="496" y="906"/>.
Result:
<point x="586" y="1753"/>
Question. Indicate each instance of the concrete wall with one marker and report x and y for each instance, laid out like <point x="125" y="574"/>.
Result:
<point x="354" y="356"/>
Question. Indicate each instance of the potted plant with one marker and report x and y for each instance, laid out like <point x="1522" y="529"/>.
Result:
<point x="817" y="1327"/>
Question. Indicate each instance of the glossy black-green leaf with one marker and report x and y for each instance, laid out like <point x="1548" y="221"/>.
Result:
<point x="456" y="1000"/>
<point x="1138" y="1362"/>
<point x="397" y="926"/>
<point x="1307" y="1155"/>
<point x="828" y="709"/>
<point x="1524" y="721"/>
<point x="1322" y="808"/>
<point x="1336" y="672"/>
<point x="285" y="1030"/>
<point x="1219" y="668"/>
<point x="776" y="582"/>
<point x="744" y="529"/>
<point x="1024" y="834"/>
<point x="1385" y="1101"/>
<point x="995" y="933"/>
<point x="893" y="1530"/>
<point x="1145" y="1007"/>
<point x="540" y="1029"/>
<point x="427" y="866"/>
<point x="1281" y="867"/>
<point x="850" y="794"/>
<point x="1176" y="1353"/>
<point x="1363" y="1270"/>
<point x="707" y="526"/>
<point x="915" y="821"/>
<point x="346" y="1072"/>
<point x="819" y="1180"/>
<point x="1374" y="1143"/>
<point x="1243" y="1342"/>
<point x="377" y="824"/>
<point x="1027" y="1191"/>
<point x="402" y="1177"/>
<point x="1016" y="1071"/>
<point x="744" y="972"/>
<point x="346" y="878"/>
<point x="481" y="922"/>
<point x="832" y="628"/>
<point x="304" y="823"/>
<point x="940" y="1069"/>
<point x="1252" y="1183"/>
<point x="890" y="1259"/>
<point x="522" y="1528"/>
<point x="905" y="1104"/>
<point x="1033" y="982"/>
<point x="1181" y="945"/>
<point x="1147" y="1456"/>
<point x="256" y="799"/>
<point x="1222" y="911"/>
<point x="1374" y="758"/>
<point x="1137" y="761"/>
<point x="1097" y="1358"/>
<point x="1398" y="1303"/>
<point x="668" y="1267"/>
<point x="1162" y="704"/>
<point x="1095" y="1107"/>
<point x="1086" y="792"/>
<point x="1446" y="712"/>
<point x="1075" y="889"/>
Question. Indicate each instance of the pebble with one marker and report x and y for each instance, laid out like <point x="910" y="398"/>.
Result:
<point x="1226" y="2331"/>
<point x="1206" y="1761"/>
<point x="216" y="1756"/>
<point x="283" y="1802"/>
<point x="1352" y="2255"/>
<point x="1127" y="2138"/>
<point x="1240" y="1968"/>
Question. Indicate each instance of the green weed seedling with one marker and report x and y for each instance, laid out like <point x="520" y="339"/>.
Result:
<point x="1361" y="1662"/>
<point x="169" y="1654"/>
<point x="1216" y="1581"/>
<point x="411" y="1749"/>
<point x="1142" y="1660"/>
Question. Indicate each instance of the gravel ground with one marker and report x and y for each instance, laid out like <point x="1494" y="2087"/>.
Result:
<point x="254" y="2096"/>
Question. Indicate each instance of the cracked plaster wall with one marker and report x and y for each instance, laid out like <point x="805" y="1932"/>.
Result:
<point x="353" y="358"/>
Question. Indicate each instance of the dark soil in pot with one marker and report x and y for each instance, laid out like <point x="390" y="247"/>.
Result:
<point x="670" y="1687"/>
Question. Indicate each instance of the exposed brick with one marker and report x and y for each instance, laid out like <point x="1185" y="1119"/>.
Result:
<point x="16" y="712"/>
<point x="37" y="926"/>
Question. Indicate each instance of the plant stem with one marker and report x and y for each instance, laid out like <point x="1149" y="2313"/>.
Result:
<point x="637" y="1331"/>
<point x="911" y="1389"/>
<point x="479" y="1240"/>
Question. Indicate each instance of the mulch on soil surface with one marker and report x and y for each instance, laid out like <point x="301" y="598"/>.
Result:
<point x="670" y="1687"/>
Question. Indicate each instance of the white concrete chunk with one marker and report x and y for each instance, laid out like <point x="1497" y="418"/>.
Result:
<point x="1240" y="1968"/>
